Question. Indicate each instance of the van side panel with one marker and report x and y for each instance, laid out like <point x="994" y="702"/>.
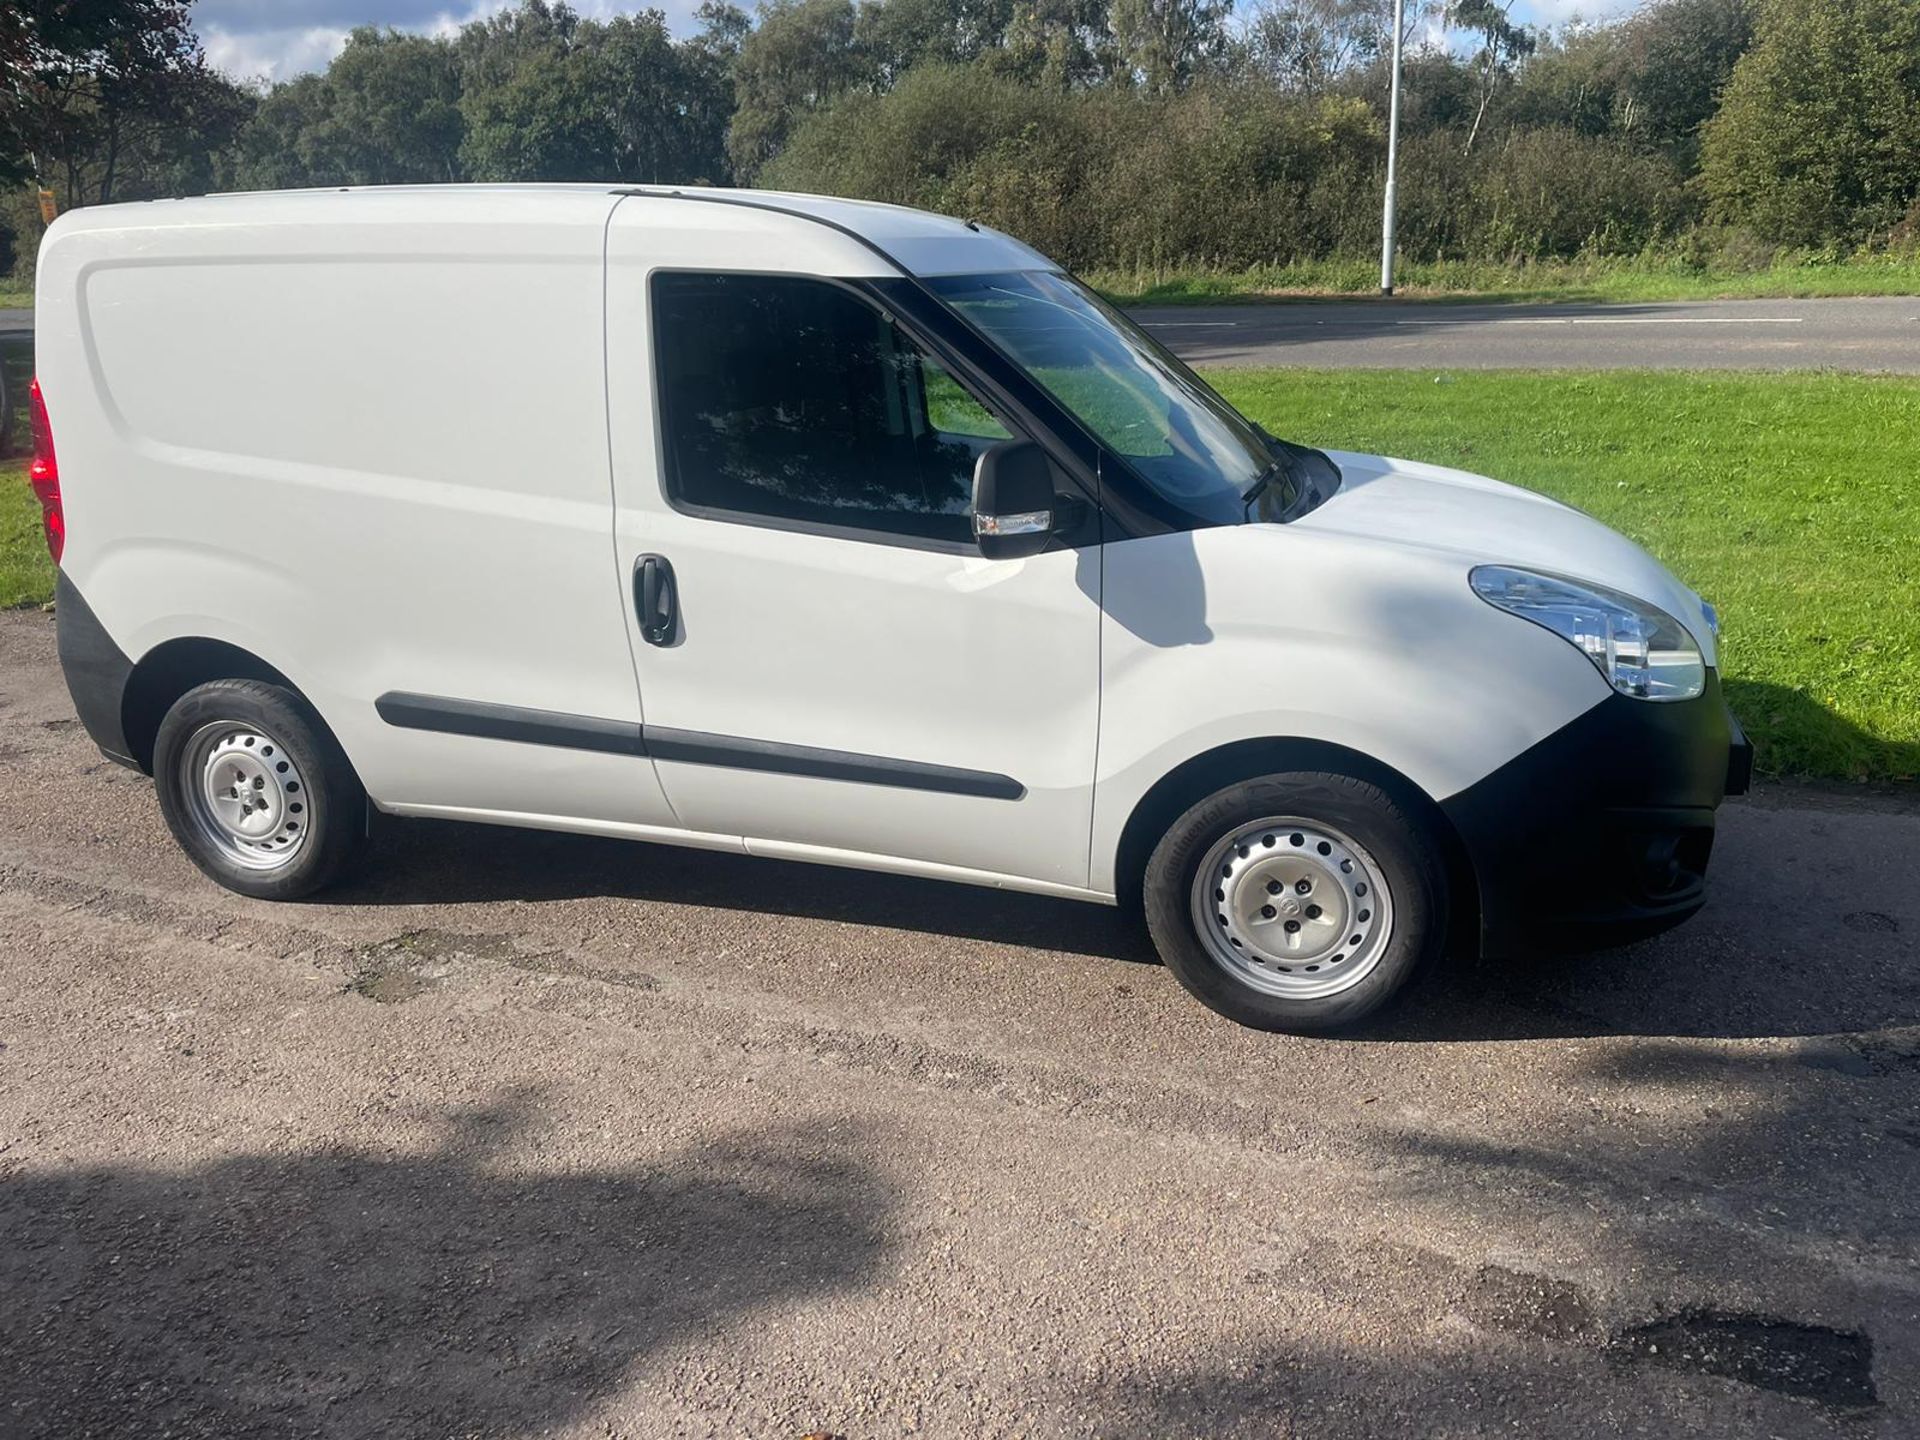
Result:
<point x="1259" y="632"/>
<point x="362" y="437"/>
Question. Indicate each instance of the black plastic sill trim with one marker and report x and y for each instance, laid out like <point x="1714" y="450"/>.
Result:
<point x="486" y="721"/>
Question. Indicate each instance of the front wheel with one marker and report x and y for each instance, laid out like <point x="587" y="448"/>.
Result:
<point x="255" y="789"/>
<point x="1298" y="902"/>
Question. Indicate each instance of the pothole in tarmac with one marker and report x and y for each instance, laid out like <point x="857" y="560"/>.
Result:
<point x="1810" y="1362"/>
<point x="1864" y="1055"/>
<point x="1523" y="1303"/>
<point x="1870" y="922"/>
<point x="394" y="971"/>
<point x="1813" y="1362"/>
<point x="391" y="972"/>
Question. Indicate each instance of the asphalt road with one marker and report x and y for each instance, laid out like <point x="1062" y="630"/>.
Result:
<point x="540" y="1134"/>
<point x="1865" y="334"/>
<point x="1870" y="334"/>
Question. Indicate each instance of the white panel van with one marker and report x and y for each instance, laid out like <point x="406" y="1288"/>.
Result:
<point x="836" y="532"/>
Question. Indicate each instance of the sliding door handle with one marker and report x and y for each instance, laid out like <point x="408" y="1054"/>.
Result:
<point x="655" y="599"/>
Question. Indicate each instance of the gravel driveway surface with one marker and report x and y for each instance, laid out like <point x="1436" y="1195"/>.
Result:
<point x="538" y="1135"/>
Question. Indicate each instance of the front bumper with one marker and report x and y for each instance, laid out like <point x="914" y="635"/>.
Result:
<point x="1600" y="834"/>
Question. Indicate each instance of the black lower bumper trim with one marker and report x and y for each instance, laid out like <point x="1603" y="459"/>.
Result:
<point x="1600" y="834"/>
<point x="95" y="668"/>
<point x="1739" y="758"/>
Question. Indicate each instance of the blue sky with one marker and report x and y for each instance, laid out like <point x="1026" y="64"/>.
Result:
<point x="274" y="39"/>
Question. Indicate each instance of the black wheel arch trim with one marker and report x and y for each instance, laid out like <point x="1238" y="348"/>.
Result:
<point x="488" y="721"/>
<point x="121" y="701"/>
<point x="1199" y="776"/>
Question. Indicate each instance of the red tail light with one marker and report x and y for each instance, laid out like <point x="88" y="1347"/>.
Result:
<point x="44" y="474"/>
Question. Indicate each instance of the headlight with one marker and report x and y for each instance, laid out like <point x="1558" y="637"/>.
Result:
<point x="1642" y="651"/>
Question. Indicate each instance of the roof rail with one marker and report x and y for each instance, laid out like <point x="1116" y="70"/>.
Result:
<point x="714" y="198"/>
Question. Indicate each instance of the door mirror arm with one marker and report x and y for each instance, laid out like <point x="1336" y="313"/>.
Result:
<point x="1069" y="513"/>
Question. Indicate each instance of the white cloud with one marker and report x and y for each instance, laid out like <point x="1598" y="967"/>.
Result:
<point x="278" y="39"/>
<point x="242" y="40"/>
<point x="271" y="54"/>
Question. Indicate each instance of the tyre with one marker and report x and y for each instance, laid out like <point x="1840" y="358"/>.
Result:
<point x="1299" y="902"/>
<point x="255" y="789"/>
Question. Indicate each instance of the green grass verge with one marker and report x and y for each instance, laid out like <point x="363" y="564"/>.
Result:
<point x="1545" y="280"/>
<point x="1787" y="500"/>
<point x="26" y="574"/>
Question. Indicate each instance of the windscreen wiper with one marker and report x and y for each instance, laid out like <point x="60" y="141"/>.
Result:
<point x="1281" y="466"/>
<point x="1304" y="467"/>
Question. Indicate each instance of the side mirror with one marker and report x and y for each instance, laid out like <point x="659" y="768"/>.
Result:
<point x="1013" y="500"/>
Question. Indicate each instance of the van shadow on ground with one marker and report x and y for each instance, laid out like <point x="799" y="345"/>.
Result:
<point x="420" y="862"/>
<point x="1812" y="928"/>
<point x="367" y="1292"/>
<point x="1780" y="716"/>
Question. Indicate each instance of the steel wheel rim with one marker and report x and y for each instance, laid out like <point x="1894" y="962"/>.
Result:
<point x="1292" y="908"/>
<point x="245" y="795"/>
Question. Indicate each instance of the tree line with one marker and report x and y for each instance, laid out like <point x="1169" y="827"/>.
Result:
<point x="1111" y="133"/>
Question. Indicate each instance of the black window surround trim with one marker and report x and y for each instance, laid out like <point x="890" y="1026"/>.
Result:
<point x="993" y="397"/>
<point x="861" y="534"/>
<point x="1129" y="511"/>
<point x="1133" y="510"/>
<point x="487" y="721"/>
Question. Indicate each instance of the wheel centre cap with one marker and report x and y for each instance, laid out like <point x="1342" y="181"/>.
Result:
<point x="248" y="796"/>
<point x="1291" y="908"/>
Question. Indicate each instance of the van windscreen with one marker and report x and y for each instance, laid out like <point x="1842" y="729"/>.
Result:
<point x="1144" y="404"/>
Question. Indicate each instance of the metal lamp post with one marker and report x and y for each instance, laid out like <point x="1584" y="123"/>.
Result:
<point x="1393" y="155"/>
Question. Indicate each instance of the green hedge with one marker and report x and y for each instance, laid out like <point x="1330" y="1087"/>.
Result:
<point x="1222" y="176"/>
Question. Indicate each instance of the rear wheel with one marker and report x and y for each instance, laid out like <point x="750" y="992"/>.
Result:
<point x="256" y="790"/>
<point x="1296" y="902"/>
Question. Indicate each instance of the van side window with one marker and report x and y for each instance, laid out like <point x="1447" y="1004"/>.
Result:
<point x="795" y="400"/>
